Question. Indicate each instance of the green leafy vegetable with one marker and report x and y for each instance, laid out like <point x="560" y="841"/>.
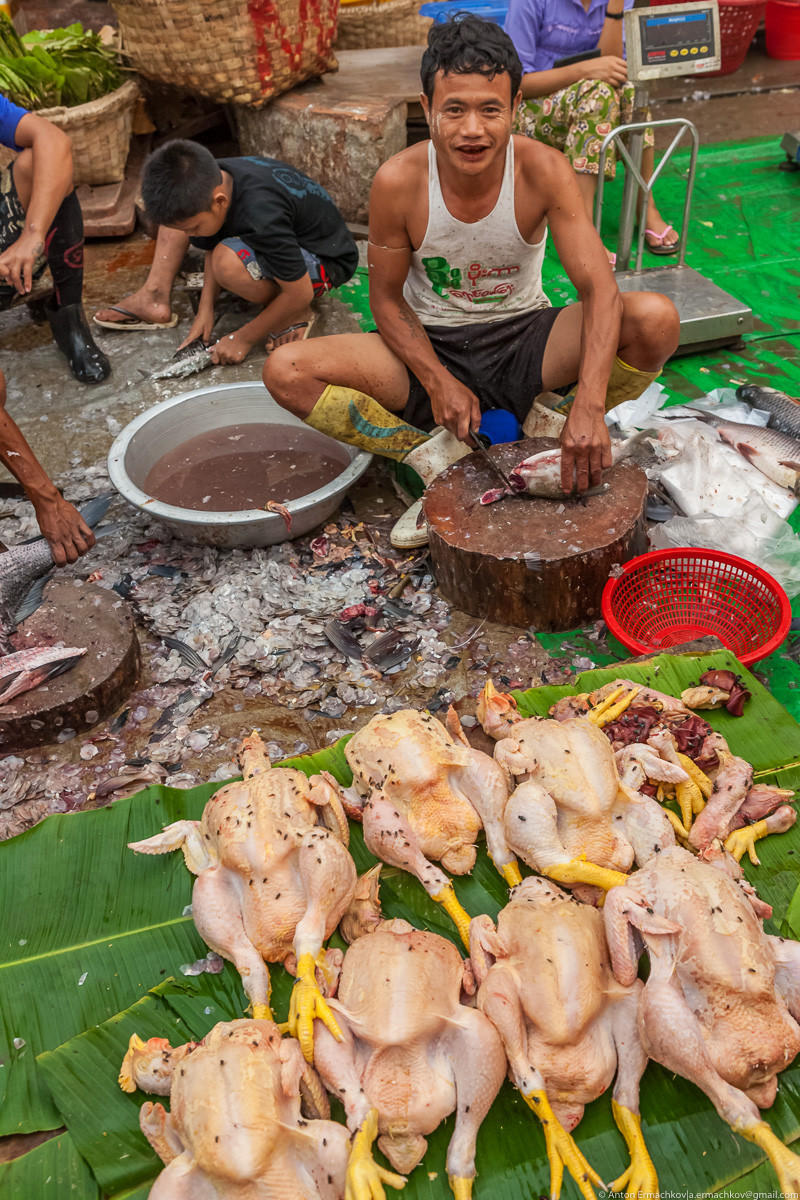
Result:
<point x="55" y="67"/>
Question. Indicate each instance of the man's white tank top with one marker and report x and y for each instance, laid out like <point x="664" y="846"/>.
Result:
<point x="476" y="272"/>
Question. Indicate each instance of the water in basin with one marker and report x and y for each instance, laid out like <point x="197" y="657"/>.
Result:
<point x="243" y="466"/>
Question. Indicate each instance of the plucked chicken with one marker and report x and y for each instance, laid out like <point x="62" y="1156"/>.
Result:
<point x="235" y="1129"/>
<point x="272" y="884"/>
<point x="423" y="794"/>
<point x="411" y="1052"/>
<point x="567" y="1025"/>
<point x="722" y="1000"/>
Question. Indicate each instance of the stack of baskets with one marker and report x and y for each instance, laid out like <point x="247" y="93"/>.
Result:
<point x="368" y="26"/>
<point x="231" y="51"/>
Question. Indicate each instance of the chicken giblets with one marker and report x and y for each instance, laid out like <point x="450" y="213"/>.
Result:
<point x="235" y="1128"/>
<point x="411" y="1052"/>
<point x="271" y="883"/>
<point x="570" y="818"/>
<point x="721" y="1003"/>
<point x="424" y="794"/>
<point x="567" y="1025"/>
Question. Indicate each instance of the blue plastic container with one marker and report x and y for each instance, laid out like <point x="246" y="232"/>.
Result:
<point x="499" y="425"/>
<point x="490" y="10"/>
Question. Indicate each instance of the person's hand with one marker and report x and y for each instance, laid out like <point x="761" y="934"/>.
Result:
<point x="65" y="529"/>
<point x="585" y="448"/>
<point x="202" y="327"/>
<point x="608" y="68"/>
<point x="18" y="261"/>
<point x="294" y="333"/>
<point x="457" y="409"/>
<point x="231" y="349"/>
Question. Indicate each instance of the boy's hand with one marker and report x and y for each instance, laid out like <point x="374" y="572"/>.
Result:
<point x="231" y="349"/>
<point x="202" y="326"/>
<point x="18" y="261"/>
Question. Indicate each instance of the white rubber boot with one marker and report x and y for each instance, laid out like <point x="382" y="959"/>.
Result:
<point x="428" y="460"/>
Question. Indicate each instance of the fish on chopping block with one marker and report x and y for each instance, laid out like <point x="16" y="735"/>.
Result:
<point x="21" y="566"/>
<point x="774" y="454"/>
<point x="784" y="410"/>
<point x="540" y="475"/>
<point x="27" y="669"/>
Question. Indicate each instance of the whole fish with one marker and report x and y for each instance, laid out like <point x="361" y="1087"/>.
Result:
<point x="540" y="475"/>
<point x="187" y="361"/>
<point x="774" y="454"/>
<point x="21" y="565"/>
<point x="784" y="410"/>
<point x="26" y="669"/>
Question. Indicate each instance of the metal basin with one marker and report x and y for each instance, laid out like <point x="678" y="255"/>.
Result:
<point x="167" y="425"/>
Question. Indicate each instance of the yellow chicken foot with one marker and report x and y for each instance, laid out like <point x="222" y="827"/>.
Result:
<point x="607" y="711"/>
<point x="461" y="1188"/>
<point x="640" y="1180"/>
<point x="745" y="839"/>
<point x="561" y="1150"/>
<point x="697" y="776"/>
<point x="687" y="795"/>
<point x="785" y="1163"/>
<point x="262" y="1012"/>
<point x="459" y="916"/>
<point x="308" y="1004"/>
<point x="365" y="1179"/>
<point x="580" y="870"/>
<point x="511" y="874"/>
<point x="676" y="824"/>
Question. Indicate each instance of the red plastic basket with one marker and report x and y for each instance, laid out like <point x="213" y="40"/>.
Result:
<point x="671" y="596"/>
<point x="738" y="22"/>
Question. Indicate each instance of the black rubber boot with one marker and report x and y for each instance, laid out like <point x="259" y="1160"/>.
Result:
<point x="73" y="337"/>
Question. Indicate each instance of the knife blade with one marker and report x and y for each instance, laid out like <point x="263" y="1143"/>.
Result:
<point x="496" y="468"/>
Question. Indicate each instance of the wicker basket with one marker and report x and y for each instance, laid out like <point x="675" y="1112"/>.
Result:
<point x="231" y="51"/>
<point x="370" y="26"/>
<point x="101" y="134"/>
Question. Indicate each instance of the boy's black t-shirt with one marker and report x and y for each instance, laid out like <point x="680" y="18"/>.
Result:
<point x="277" y="210"/>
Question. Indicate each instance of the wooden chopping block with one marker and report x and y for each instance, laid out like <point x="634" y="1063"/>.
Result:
<point x="531" y="561"/>
<point x="98" y="683"/>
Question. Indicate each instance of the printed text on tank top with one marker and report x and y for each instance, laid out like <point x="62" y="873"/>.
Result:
<point x="474" y="271"/>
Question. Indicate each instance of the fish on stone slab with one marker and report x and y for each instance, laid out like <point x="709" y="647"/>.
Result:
<point x="21" y="566"/>
<point x="774" y="454"/>
<point x="784" y="410"/>
<point x="27" y="669"/>
<point x="540" y="474"/>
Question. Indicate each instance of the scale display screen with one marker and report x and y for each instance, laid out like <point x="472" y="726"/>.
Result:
<point x="676" y="39"/>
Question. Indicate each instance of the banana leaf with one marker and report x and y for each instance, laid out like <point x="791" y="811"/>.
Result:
<point x="100" y="926"/>
<point x="54" y="1169"/>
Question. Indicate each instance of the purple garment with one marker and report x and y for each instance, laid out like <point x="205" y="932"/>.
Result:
<point x="544" y="30"/>
<point x="10" y="117"/>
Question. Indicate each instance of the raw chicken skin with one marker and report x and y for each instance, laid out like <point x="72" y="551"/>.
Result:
<point x="412" y="1051"/>
<point x="721" y="1003"/>
<point x="567" y="1025"/>
<point x="235" y="1130"/>
<point x="271" y="883"/>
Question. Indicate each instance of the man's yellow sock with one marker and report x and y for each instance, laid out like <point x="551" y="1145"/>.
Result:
<point x="357" y="419"/>
<point x="624" y="383"/>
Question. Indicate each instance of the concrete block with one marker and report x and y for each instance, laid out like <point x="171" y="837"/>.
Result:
<point x="339" y="143"/>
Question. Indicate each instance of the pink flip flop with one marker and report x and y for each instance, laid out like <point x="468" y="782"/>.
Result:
<point x="660" y="247"/>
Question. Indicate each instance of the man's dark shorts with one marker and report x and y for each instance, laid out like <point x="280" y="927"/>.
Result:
<point x="500" y="361"/>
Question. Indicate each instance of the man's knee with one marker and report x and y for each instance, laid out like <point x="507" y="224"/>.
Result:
<point x="284" y="380"/>
<point x="652" y="318"/>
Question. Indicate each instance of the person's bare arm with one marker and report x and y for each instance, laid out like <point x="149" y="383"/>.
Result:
<point x="610" y="68"/>
<point x="288" y="307"/>
<point x="63" y="526"/>
<point x="51" y="182"/>
<point x="611" y="34"/>
<point x="454" y="406"/>
<point x="585" y="444"/>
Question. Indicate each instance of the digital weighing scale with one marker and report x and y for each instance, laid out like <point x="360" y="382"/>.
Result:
<point x="676" y="39"/>
<point x="791" y="144"/>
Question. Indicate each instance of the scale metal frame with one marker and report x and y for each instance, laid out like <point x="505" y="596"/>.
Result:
<point x="790" y="144"/>
<point x="675" y="39"/>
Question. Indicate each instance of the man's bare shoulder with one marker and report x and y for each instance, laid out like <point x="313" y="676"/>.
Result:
<point x="541" y="166"/>
<point x="406" y="170"/>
